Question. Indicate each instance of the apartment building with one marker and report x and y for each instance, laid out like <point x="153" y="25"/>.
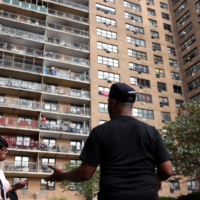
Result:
<point x="57" y="55"/>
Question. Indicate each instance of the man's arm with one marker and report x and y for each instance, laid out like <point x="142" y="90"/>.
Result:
<point x="79" y="174"/>
<point x="164" y="171"/>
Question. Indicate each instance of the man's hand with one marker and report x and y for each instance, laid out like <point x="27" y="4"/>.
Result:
<point x="57" y="176"/>
<point x="159" y="184"/>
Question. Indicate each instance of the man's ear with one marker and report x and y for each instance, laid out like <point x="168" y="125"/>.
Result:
<point x="114" y="103"/>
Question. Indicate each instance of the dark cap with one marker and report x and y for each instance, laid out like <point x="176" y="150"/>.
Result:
<point x="121" y="92"/>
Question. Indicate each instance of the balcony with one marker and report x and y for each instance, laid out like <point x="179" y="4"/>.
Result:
<point x="63" y="128"/>
<point x="43" y="24"/>
<point x="4" y="46"/>
<point x="43" y="9"/>
<point x="42" y="38"/>
<point x="71" y="4"/>
<point x="33" y="169"/>
<point x="14" y="144"/>
<point x="64" y="74"/>
<point x="38" y="106"/>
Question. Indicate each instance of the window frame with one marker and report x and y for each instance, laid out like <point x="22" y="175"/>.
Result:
<point x="151" y="11"/>
<point x="105" y="9"/>
<point x="147" y="98"/>
<point x="178" y="10"/>
<point x="194" y="84"/>
<point x="20" y="179"/>
<point x="178" y="103"/>
<point x="133" y="17"/>
<point x="177" y="89"/>
<point x="162" y="86"/>
<point x="110" y="47"/>
<point x="153" y="33"/>
<point x="48" y="184"/>
<point x="164" y="101"/>
<point x="192" y="69"/>
<point x="186" y="30"/>
<point x="165" y="116"/>
<point x="106" y="33"/>
<point x="131" y="5"/>
<point x="103" y="108"/>
<point x="138" y="54"/>
<point x="175" y="75"/>
<point x="183" y="19"/>
<point x="136" y="41"/>
<point x="135" y="29"/>
<point x="165" y="16"/>
<point x="140" y="82"/>
<point x="108" y="61"/>
<point x="158" y="59"/>
<point x="164" y="6"/>
<point x="167" y="27"/>
<point x="188" y="42"/>
<point x="143" y="113"/>
<point x="106" y="21"/>
<point x="171" y="50"/>
<point x="156" y="46"/>
<point x="169" y="38"/>
<point x="139" y="67"/>
<point x="190" y="55"/>
<point x="159" y="71"/>
<point x="153" y="23"/>
<point x="110" y="76"/>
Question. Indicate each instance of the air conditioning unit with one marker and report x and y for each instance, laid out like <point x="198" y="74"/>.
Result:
<point x="155" y="25"/>
<point x="139" y="72"/>
<point x="158" y="75"/>
<point x="156" y="63"/>
<point x="142" y="103"/>
<point x="151" y="25"/>
<point x="193" y="73"/>
<point x="188" y="47"/>
<point x="177" y="67"/>
<point x="135" y="32"/>
<point x="140" y="87"/>
<point x="197" y="10"/>
<point x="107" y="38"/>
<point x="183" y="23"/>
<point x="138" y="58"/>
<point x="154" y="49"/>
<point x="144" y="119"/>
<point x="163" y="121"/>
<point x="152" y="37"/>
<point x="159" y="90"/>
<point x="179" y="81"/>
<point x="183" y="32"/>
<point x="169" y="20"/>
<point x="105" y="1"/>
<point x="161" y="104"/>
<point x="105" y="11"/>
<point x="107" y="23"/>
<point x="178" y="105"/>
<point x="136" y="45"/>
<point x="149" y="14"/>
<point x="109" y="81"/>
<point x="108" y="66"/>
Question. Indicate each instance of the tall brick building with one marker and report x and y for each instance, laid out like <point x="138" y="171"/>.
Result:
<point x="57" y="55"/>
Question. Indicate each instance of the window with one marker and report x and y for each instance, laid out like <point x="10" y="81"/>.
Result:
<point x="150" y="2"/>
<point x="21" y="161"/>
<point x="165" y="116"/>
<point x="167" y="27"/>
<point x="138" y="67"/>
<point x="50" y="105"/>
<point x="133" y="6"/>
<point x="108" y="76"/>
<point x="188" y="57"/>
<point x="136" y="41"/>
<point x="175" y="75"/>
<point x="160" y="73"/>
<point x="103" y="107"/>
<point x="102" y="122"/>
<point x="108" y="61"/>
<point x="156" y="46"/>
<point x="107" y="34"/>
<point x="147" y="98"/>
<point x="164" y="6"/>
<point x="112" y="1"/>
<point x="151" y="12"/>
<point x="135" y="29"/>
<point x="107" y="47"/>
<point x="164" y="101"/>
<point x="188" y="42"/>
<point x="196" y="97"/>
<point x="154" y="34"/>
<point x="17" y="179"/>
<point x="191" y="70"/>
<point x="180" y="8"/>
<point x="48" y="161"/>
<point x="153" y="23"/>
<point x="171" y="50"/>
<point x="165" y="16"/>
<point x="179" y="103"/>
<point x="169" y="38"/>
<point x="46" y="185"/>
<point x="173" y="63"/>
<point x="191" y="185"/>
<point x="140" y="82"/>
<point x="50" y="143"/>
<point x="177" y="89"/>
<point x="184" y="31"/>
<point x="194" y="84"/>
<point x="75" y="162"/>
<point x="103" y="89"/>
<point x="105" y="9"/>
<point x="24" y="118"/>
<point x="143" y="113"/>
<point x="197" y="6"/>
<point x="183" y="19"/>
<point x="175" y="2"/>
<point x="2" y="98"/>
<point x="158" y="59"/>
<point x="174" y="185"/>
<point x="106" y="21"/>
<point x="73" y="186"/>
<point x="75" y="146"/>
<point x="133" y="17"/>
<point x="23" y="141"/>
<point x="137" y="54"/>
<point x="162" y="86"/>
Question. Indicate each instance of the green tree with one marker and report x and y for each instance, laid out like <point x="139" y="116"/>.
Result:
<point x="88" y="189"/>
<point x="182" y="138"/>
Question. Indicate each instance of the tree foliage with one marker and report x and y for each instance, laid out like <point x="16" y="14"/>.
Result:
<point x="182" y="138"/>
<point x="88" y="189"/>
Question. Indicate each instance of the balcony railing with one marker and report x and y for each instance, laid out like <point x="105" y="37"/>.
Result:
<point x="43" y="9"/>
<point x="45" y="54"/>
<point x="41" y="38"/>
<point x="36" y="105"/>
<point x="41" y="23"/>
<point x="9" y="64"/>
<point x="71" y="4"/>
<point x="33" y="86"/>
<point x="14" y="143"/>
<point x="64" y="126"/>
<point x="17" y="166"/>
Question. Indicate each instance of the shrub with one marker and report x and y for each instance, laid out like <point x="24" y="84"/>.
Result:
<point x="57" y="198"/>
<point x="191" y="196"/>
<point x="167" y="198"/>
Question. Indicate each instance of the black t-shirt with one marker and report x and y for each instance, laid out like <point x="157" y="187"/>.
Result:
<point x="127" y="151"/>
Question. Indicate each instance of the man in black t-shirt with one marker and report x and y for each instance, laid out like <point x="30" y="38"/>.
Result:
<point x="127" y="151"/>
